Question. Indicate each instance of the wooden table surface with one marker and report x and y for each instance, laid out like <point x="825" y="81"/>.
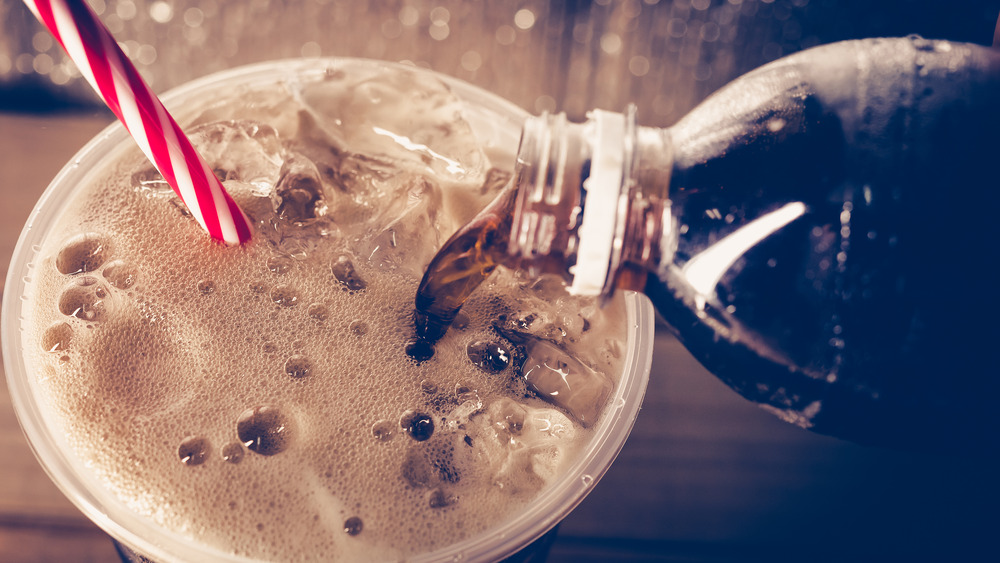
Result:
<point x="704" y="477"/>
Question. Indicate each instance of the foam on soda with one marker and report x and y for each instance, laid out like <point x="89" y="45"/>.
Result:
<point x="259" y="398"/>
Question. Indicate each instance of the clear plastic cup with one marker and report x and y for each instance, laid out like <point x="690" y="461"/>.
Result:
<point x="496" y="122"/>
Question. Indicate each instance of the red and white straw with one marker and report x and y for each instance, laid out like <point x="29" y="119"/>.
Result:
<point x="102" y="62"/>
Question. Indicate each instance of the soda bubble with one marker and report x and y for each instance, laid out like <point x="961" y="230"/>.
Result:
<point x="382" y="430"/>
<point x="298" y="195"/>
<point x="419" y="349"/>
<point x="150" y="183"/>
<point x="417" y="425"/>
<point x="428" y="386"/>
<point x="437" y="498"/>
<point x="120" y="275"/>
<point x="82" y="253"/>
<point x="345" y="273"/>
<point x="264" y="430"/>
<point x="318" y="311"/>
<point x="193" y="450"/>
<point x="298" y="366"/>
<point x="416" y="470"/>
<point x="490" y="357"/>
<point x="465" y="392"/>
<point x="57" y="337"/>
<point x="206" y="287"/>
<point x="284" y="295"/>
<point x="84" y="299"/>
<point x="461" y="321"/>
<point x="279" y="264"/>
<point x="358" y="328"/>
<point x="443" y="461"/>
<point x="232" y="452"/>
<point x="353" y="526"/>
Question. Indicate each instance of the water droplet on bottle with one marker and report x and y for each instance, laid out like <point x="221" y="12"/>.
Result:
<point x="383" y="431"/>
<point x="417" y="425"/>
<point x="193" y="450"/>
<point x="587" y="480"/>
<point x="120" y="274"/>
<point x="232" y="452"/>
<point x="82" y="253"/>
<point x="264" y="430"/>
<point x="284" y="295"/>
<point x="57" y="337"/>
<point x="353" y="526"/>
<point x="297" y="366"/>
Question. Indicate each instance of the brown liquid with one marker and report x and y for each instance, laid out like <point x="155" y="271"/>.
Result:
<point x="256" y="399"/>
<point x="462" y="264"/>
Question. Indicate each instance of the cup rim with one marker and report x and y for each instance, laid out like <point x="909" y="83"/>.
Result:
<point x="137" y="532"/>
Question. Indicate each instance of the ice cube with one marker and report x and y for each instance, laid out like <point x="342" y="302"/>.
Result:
<point x="343" y="270"/>
<point x="243" y="150"/>
<point x="315" y="142"/>
<point x="410" y="235"/>
<point x="270" y="102"/>
<point x="298" y="195"/>
<point x="560" y="378"/>
<point x="524" y="446"/>
<point x="408" y="117"/>
<point x="566" y="382"/>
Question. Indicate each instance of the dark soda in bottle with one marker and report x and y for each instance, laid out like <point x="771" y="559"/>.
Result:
<point x="819" y="234"/>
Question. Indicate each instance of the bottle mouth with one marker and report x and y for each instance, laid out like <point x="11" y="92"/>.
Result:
<point x="572" y="202"/>
<point x="545" y="216"/>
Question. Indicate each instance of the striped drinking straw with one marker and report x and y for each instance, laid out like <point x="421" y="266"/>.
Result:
<point x="102" y="62"/>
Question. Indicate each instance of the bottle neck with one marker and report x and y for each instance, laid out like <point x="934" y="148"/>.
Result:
<point x="592" y="201"/>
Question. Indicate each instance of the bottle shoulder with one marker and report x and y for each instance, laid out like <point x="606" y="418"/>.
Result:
<point x="823" y="267"/>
